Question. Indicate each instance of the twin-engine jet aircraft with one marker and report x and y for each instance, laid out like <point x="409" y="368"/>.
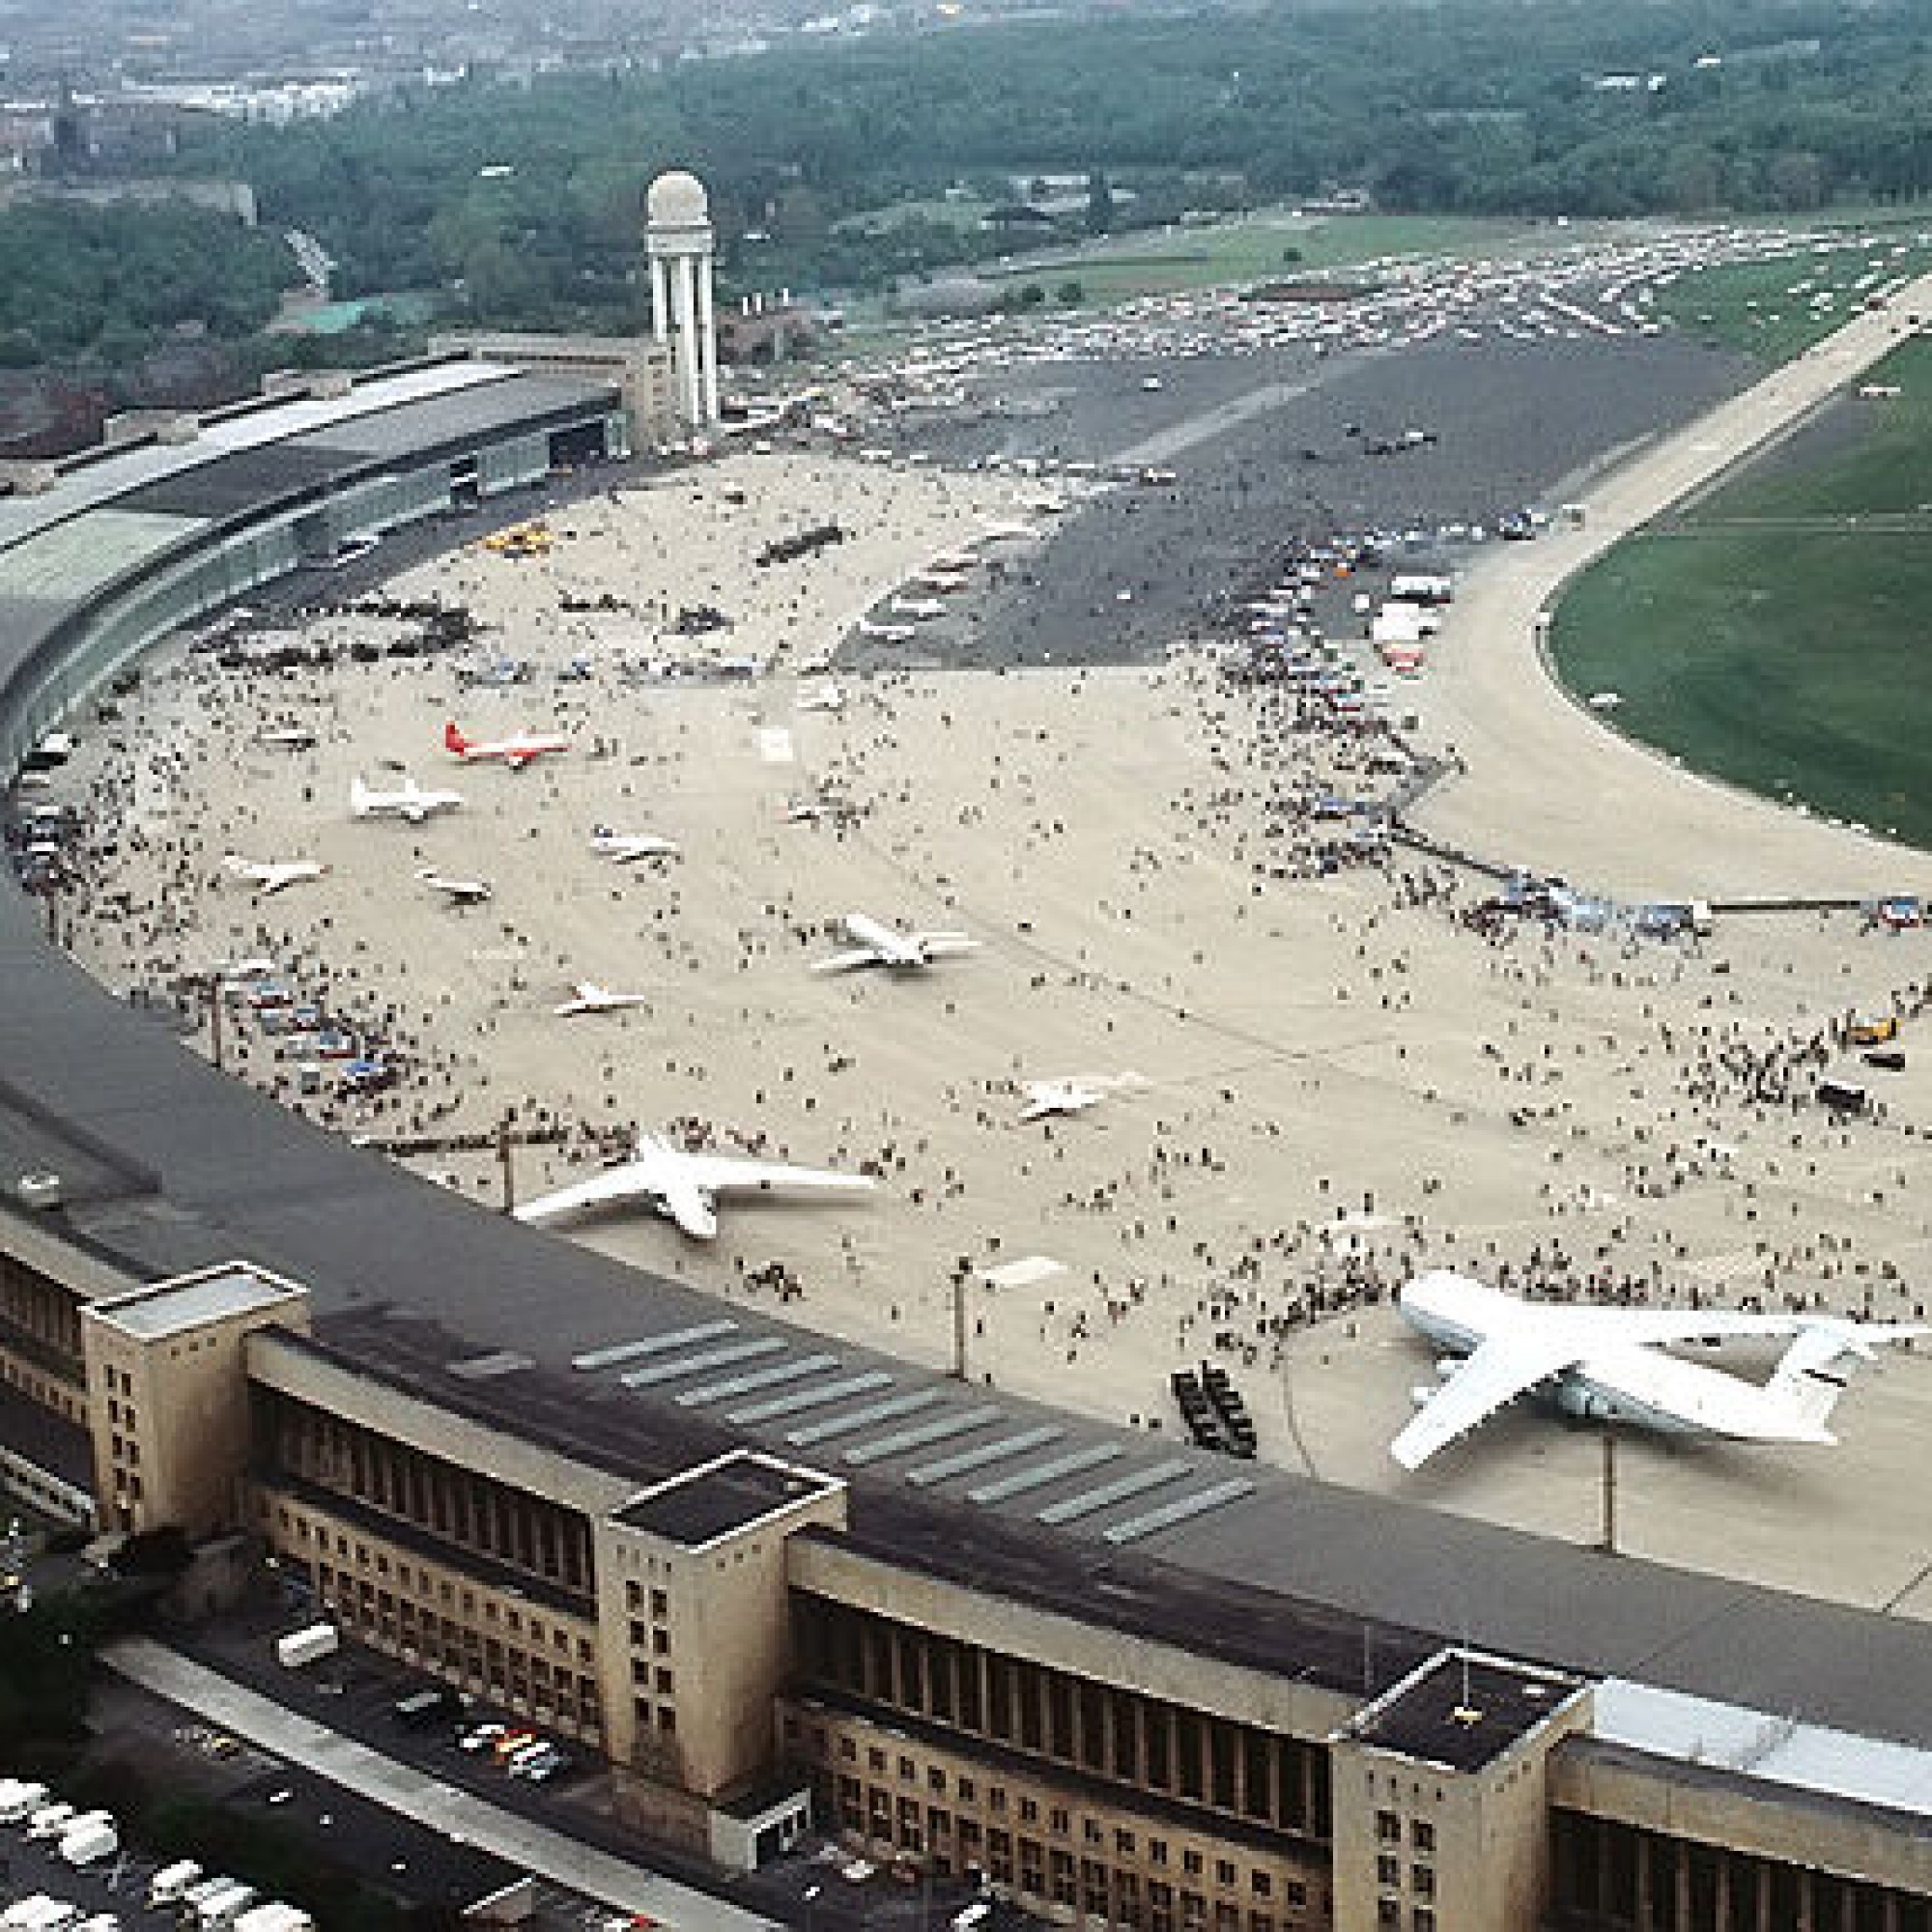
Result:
<point x="517" y="751"/>
<point x="1045" y="1098"/>
<point x="1610" y="1363"/>
<point x="875" y="943"/>
<point x="409" y="802"/>
<point x="589" y="998"/>
<point x="683" y="1187"/>
<point x="271" y="876"/>
<point x="458" y="891"/>
<point x="628" y="847"/>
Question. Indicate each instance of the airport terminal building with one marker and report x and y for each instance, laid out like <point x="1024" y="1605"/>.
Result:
<point x="780" y="1582"/>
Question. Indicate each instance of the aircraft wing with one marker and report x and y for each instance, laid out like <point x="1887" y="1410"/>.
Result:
<point x="1493" y="1377"/>
<point x="633" y="1180"/>
<point x="935" y="944"/>
<point x="846" y="962"/>
<point x="720" y="1173"/>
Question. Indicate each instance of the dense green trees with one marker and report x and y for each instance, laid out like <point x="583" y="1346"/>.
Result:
<point x="75" y="279"/>
<point x="524" y="198"/>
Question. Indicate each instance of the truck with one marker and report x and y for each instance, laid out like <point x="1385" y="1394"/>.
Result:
<point x="88" y="1844"/>
<point x="39" y="1912"/>
<point x="307" y="1646"/>
<point x="171" y="1883"/>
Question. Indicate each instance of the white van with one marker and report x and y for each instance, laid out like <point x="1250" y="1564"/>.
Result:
<point x="171" y="1883"/>
<point x="19" y="1800"/>
<point x="50" y="1821"/>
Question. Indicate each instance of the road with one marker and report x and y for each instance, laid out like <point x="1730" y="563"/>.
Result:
<point x="1547" y="784"/>
<point x="427" y="1800"/>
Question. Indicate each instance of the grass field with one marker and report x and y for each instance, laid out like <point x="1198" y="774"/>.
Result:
<point x="1775" y="634"/>
<point x="1766" y="308"/>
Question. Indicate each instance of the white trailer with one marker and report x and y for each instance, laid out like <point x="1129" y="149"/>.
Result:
<point x="307" y="1646"/>
<point x="88" y="1843"/>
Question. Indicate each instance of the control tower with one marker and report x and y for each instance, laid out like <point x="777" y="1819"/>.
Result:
<point x="678" y="240"/>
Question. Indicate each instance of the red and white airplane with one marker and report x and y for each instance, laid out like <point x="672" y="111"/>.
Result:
<point x="517" y="751"/>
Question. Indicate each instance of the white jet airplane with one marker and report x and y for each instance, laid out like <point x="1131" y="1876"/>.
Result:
<point x="682" y="1186"/>
<point x="589" y="998"/>
<point x="520" y="749"/>
<point x="1045" y="1098"/>
<point x="1610" y="1363"/>
<point x="827" y="697"/>
<point x="271" y="876"/>
<point x="286" y="738"/>
<point x="458" y="891"/>
<point x="411" y="803"/>
<point x="627" y="847"/>
<point x="874" y="944"/>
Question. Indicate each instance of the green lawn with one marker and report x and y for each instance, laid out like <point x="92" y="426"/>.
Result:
<point x="1750" y="305"/>
<point x="1797" y="661"/>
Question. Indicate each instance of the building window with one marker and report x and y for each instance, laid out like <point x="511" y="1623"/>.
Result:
<point x="668" y="1722"/>
<point x="1422" y="1835"/>
<point x="1424" y="1920"/>
<point x="1388" y="1829"/>
<point x="661" y="1643"/>
<point x="1388" y="1916"/>
<point x="1224" y="1871"/>
<point x="935" y="1779"/>
<point x="1123" y="1844"/>
<point x="1388" y="1870"/>
<point x="848" y="1749"/>
<point x="967" y="1789"/>
<point x="1297" y="1893"/>
<point x="1190" y="1861"/>
<point x="1261" y="1882"/>
<point x="1422" y="1881"/>
<point x="906" y="1769"/>
<point x="1156" y="1851"/>
<point x="1029" y="1812"/>
<point x="664" y="1683"/>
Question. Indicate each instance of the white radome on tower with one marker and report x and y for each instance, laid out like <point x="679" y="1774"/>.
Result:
<point x="678" y="242"/>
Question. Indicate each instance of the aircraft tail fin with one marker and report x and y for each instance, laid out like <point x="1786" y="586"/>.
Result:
<point x="453" y="740"/>
<point x="358" y="798"/>
<point x="1805" y="1380"/>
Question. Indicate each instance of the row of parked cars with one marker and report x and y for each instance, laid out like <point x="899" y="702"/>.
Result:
<point x="516" y="1750"/>
<point x="208" y="1903"/>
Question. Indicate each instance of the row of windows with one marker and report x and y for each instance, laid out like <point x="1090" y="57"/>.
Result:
<point x="1421" y="1878"/>
<point x="48" y="1391"/>
<point x="1421" y="1833"/>
<point x="870" y="1807"/>
<point x="295" y="1524"/>
<point x="1389" y="1917"/>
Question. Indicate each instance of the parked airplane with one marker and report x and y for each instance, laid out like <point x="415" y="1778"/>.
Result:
<point x="1056" y="1096"/>
<point x="827" y="697"/>
<point x="920" y="609"/>
<point x="519" y="750"/>
<point x="1609" y="1363"/>
<point x="627" y="846"/>
<point x="877" y="944"/>
<point x="411" y="802"/>
<point x="458" y="891"/>
<point x="682" y="1186"/>
<point x="286" y="738"/>
<point x="589" y="998"/>
<point x="271" y="876"/>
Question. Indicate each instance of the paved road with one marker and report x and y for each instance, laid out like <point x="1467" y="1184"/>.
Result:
<point x="426" y="1799"/>
<point x="1549" y="784"/>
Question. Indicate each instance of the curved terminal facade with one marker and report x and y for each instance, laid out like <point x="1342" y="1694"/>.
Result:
<point x="771" y="1578"/>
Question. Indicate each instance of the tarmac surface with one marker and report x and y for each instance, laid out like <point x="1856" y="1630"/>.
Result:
<point x="1316" y="1075"/>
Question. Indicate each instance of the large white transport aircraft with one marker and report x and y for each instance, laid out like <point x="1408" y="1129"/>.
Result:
<point x="682" y="1186"/>
<point x="409" y="802"/>
<point x="1610" y="1363"/>
<point x="876" y="944"/>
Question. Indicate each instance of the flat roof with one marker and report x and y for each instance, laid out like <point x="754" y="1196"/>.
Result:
<point x="193" y="1301"/>
<point x="721" y="1498"/>
<point x="1461" y="1709"/>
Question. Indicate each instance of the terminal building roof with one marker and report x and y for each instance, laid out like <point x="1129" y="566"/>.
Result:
<point x="174" y="1167"/>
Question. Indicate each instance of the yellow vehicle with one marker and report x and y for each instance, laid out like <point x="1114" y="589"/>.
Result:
<point x="530" y="539"/>
<point x="1873" y="1032"/>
